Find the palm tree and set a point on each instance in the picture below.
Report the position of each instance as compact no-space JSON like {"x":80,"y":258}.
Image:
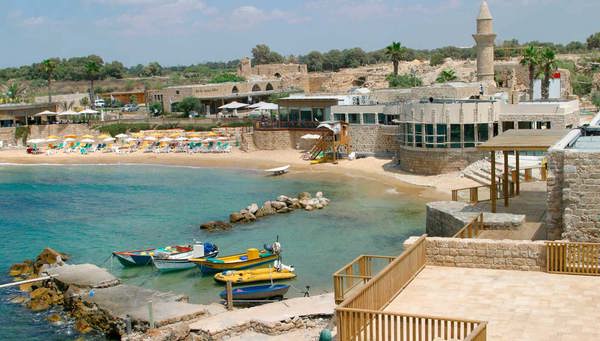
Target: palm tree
{"x":395,"y":51}
{"x":531,"y":59}
{"x":13,"y":92}
{"x":48,"y":66}
{"x":447,"y":75}
{"x":92,"y":70}
{"x":548,"y":66}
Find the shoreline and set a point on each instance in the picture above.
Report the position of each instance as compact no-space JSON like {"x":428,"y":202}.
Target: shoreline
{"x":437,"y":187}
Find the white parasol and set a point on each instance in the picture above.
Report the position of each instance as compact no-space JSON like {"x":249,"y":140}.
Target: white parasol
{"x":87,"y":141}
{"x":89,"y":112}
{"x":108,"y":139}
{"x":36,"y":141}
{"x":233,"y":105}
{"x":121,"y":136}
{"x":149,"y":138}
{"x":166,"y":139}
{"x":45,"y":113}
{"x":181,"y":138}
{"x":68,"y":113}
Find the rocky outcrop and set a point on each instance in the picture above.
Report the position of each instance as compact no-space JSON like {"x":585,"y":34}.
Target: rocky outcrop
{"x":216,"y":225}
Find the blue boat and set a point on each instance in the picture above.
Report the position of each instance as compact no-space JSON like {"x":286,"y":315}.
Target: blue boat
{"x":144,"y":257}
{"x":258,"y":292}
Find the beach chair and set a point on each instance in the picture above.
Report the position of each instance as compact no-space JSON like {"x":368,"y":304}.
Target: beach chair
{"x":226,"y":148}
{"x":147,"y":147}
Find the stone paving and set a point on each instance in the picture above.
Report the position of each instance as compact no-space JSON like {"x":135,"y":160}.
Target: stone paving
{"x":518,"y":305}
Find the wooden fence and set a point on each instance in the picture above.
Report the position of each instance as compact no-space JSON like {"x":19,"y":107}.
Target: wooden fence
{"x":359,"y":271}
{"x":471,"y":229}
{"x":573,"y":258}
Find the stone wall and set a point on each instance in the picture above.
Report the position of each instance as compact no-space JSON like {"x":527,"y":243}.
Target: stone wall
{"x":436,"y":161}
{"x":7,"y":136}
{"x":282,"y":139}
{"x":522,"y":255}
{"x":377,"y":139}
{"x":554,"y":195}
{"x":247,"y":142}
{"x":43,"y":131}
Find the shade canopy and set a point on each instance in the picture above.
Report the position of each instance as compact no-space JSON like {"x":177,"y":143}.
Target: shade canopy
{"x":149,"y":138}
{"x":68,"y":113}
{"x":36,"y":141}
{"x":524,"y":140}
{"x":233,"y":105}
{"x":121,"y":136}
{"x":264,"y":106}
{"x":89,"y":111}
{"x":45,"y":113}
{"x":88,"y":141}
{"x":108,"y":139}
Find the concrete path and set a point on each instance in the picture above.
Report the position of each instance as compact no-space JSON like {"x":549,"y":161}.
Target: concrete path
{"x":84,"y":276}
{"x":268,"y":313}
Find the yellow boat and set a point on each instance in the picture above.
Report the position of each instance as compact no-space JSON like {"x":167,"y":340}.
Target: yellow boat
{"x":252,"y":257}
{"x":278,"y":272}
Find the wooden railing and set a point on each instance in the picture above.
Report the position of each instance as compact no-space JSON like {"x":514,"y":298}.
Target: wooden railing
{"x":528,"y":174}
{"x":573,"y":258}
{"x":474,"y":192}
{"x":362,"y":324}
{"x":359,"y":271}
{"x":302,"y":125}
{"x":471,"y":229}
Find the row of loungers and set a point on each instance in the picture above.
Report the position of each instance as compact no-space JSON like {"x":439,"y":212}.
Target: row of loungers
{"x":85,"y":148}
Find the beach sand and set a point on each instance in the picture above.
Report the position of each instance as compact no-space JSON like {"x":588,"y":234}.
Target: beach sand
{"x":381,"y":170}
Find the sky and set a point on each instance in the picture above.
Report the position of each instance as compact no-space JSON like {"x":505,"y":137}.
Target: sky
{"x":182,"y":32}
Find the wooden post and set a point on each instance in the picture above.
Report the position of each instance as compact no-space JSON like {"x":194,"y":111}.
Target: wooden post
{"x":505,"y":178}
{"x":493,"y":184}
{"x":150,"y":315}
{"x":229,"y":295}
{"x":517,"y":180}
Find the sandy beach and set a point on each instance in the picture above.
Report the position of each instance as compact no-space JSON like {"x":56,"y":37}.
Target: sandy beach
{"x":381,"y":170}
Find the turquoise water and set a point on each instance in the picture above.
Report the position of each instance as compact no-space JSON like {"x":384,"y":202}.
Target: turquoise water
{"x":89,"y":211}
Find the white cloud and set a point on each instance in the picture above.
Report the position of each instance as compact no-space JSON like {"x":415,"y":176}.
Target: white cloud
{"x":34,"y":21}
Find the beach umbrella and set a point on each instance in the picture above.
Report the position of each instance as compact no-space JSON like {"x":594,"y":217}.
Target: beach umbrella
{"x":264,"y":106}
{"x":36,"y":141}
{"x":121,"y":136}
{"x":209,"y":139}
{"x":89,"y":112}
{"x":51,"y":140}
{"x":68,"y":113}
{"x":103,"y":136}
{"x":69,"y":139}
{"x":45,"y":113}
{"x":87,"y":141}
{"x":195,"y":139}
{"x":166,"y":139}
{"x":222,"y":138}
{"x":108,"y":139}
{"x":149,"y":138}
{"x":181,"y":138}
{"x":130,"y":139}
{"x":233,"y":105}
{"x":53,"y":137}
{"x":212,"y":133}
{"x":71,"y":136}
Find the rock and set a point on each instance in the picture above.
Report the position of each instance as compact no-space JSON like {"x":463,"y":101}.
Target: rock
{"x":21,"y":269}
{"x":215,"y":225}
{"x":283,"y":198}
{"x":42,"y":298}
{"x":236,"y":217}
{"x":278,"y":205}
{"x":248,"y":217}
{"x":295,"y":203}
{"x":303,"y":203}
{"x":319,"y":206}
{"x":83,"y":327}
{"x":265,"y":211}
{"x":253,"y":208}
{"x":319,"y":195}
{"x":284,"y":210}
{"x":55,"y":319}
{"x":18,"y":299}
{"x":304,"y":195}
{"x":244,"y":211}
{"x":38,"y":305}
{"x":309,"y":208}
{"x":51,"y":257}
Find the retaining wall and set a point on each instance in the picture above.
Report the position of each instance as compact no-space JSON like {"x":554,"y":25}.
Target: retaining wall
{"x":43,"y":131}
{"x":436,"y":161}
{"x":278,"y":139}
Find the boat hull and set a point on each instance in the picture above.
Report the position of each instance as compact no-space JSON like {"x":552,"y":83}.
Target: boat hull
{"x":254,"y":276}
{"x":257,"y":292}
{"x":207,"y":266}
{"x":176,"y":264}
{"x":128,"y":259}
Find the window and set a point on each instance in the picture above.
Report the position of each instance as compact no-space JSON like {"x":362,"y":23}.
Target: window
{"x":455,"y":136}
{"x":469,"y":135}
{"x":339,"y":117}
{"x":381,"y":118}
{"x":442,"y":136}
{"x":317,"y":114}
{"x":176,"y":92}
{"x":409,"y":134}
{"x":525,"y":125}
{"x":283,"y":114}
{"x":306,"y":115}
{"x":508,"y":125}
{"x":369,"y":119}
{"x":354,"y":118}
{"x":418,"y":135}
{"x":294,"y":115}
{"x":482,"y":132}
{"x":429,"y":138}
{"x":543,"y":125}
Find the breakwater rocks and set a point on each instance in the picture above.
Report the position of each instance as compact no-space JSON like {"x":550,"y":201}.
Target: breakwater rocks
{"x":283,"y":204}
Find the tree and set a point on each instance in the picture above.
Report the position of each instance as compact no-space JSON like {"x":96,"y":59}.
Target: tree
{"x":593,"y":41}
{"x":436,"y":59}
{"x":155,"y":108}
{"x":14,"y":92}
{"x":92,"y":71}
{"x":262,"y":54}
{"x":84,"y":102}
{"x":226,"y":77}
{"x":403,"y":81}
{"x":152,"y":69}
{"x":447,"y":75}
{"x":395,"y":51}
{"x":48,"y":67}
{"x":114,"y":69}
{"x":548,"y":66}
{"x":531,"y":59}
{"x":189,"y":104}
{"x":314,"y":61}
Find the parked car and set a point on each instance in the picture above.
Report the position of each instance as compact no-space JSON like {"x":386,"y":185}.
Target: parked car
{"x":99,"y":103}
{"x":130,"y":107}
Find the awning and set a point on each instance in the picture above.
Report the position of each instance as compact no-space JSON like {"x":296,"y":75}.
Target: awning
{"x":524,"y":140}
{"x":233,"y":105}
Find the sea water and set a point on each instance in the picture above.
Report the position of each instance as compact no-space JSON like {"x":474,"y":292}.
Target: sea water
{"x":88,"y":211}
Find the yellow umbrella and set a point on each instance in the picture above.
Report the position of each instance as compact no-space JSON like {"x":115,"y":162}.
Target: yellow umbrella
{"x":137,"y":134}
{"x":103,"y":136}
{"x":70,"y":136}
{"x":87,"y":136}
{"x":212,"y":133}
{"x":53,"y":137}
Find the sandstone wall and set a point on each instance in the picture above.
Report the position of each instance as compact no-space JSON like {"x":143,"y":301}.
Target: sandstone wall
{"x":282,"y":139}
{"x":377,"y":139}
{"x":7,"y":136}
{"x":436,"y":161}
{"x":43,"y":131}
{"x":554,"y":195}
{"x":247,"y":142}
{"x":522,"y":255}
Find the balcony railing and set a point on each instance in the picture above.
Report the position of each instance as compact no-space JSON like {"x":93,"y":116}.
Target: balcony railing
{"x":359,"y":271}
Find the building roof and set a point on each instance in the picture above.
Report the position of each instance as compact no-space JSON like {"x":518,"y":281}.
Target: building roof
{"x":484,"y":12}
{"x":524,"y":139}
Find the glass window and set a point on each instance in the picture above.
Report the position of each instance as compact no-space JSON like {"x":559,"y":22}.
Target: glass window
{"x":429,"y":136}
{"x":318,"y":114}
{"x":306,"y":115}
{"x":418,"y":135}
{"x":441,"y":136}
{"x":389,"y":119}
{"x":525,"y":125}
{"x":455,"y":136}
{"x":283,"y":114}
{"x":508,"y":125}
{"x":543,"y":125}
{"x":354,"y":118}
{"x":381,"y":118}
{"x":469,"y":135}
{"x":482,"y":132}
{"x":339,"y":117}
{"x":369,"y":119}
{"x":409,"y":134}
{"x":294,"y":115}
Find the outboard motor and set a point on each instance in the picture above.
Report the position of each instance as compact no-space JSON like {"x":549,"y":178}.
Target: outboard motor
{"x":198,"y":250}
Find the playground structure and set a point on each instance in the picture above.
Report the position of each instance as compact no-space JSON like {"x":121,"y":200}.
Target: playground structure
{"x":333,"y":143}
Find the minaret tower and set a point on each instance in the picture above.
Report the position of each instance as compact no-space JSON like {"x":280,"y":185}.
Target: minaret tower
{"x":485,"y":44}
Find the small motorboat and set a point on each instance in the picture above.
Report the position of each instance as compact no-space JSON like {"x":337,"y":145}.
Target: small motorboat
{"x":278,"y":272}
{"x":252,"y":257}
{"x":258,"y":292}
{"x":278,"y":170}
{"x":144,"y":257}
{"x":165,"y":262}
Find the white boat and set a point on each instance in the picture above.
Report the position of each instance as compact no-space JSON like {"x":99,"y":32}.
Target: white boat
{"x":278,"y":170}
{"x":181,"y":261}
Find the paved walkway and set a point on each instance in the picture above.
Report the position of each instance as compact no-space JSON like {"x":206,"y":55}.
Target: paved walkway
{"x":267,"y":313}
{"x":518,"y":305}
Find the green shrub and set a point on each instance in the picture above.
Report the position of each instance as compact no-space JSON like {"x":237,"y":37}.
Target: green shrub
{"x":226,"y":77}
{"x":22,"y":133}
{"x":403,"y":81}
{"x":436,"y":59}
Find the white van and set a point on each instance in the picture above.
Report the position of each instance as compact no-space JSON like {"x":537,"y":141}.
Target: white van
{"x":99,"y":103}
